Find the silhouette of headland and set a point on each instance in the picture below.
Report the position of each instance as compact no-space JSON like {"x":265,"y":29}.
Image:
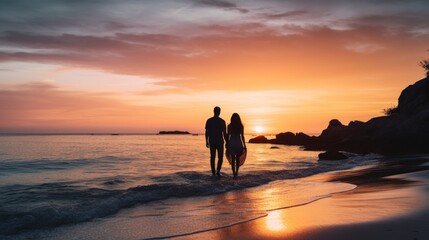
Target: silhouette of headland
{"x":173,"y":132}
{"x":404,"y":130}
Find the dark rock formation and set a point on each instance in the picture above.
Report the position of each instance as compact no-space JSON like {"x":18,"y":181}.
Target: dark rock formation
{"x":302,"y":139}
{"x":415,"y":98}
{"x":405,"y":131}
{"x":259,"y":139}
{"x":334,"y":132}
{"x":335,"y":123}
{"x":332,"y":155}
{"x":287,"y":138}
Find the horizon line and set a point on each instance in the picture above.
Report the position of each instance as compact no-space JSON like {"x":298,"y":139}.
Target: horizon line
{"x":119,"y":133}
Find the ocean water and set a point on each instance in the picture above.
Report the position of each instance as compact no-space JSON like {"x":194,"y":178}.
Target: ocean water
{"x":147,"y":186}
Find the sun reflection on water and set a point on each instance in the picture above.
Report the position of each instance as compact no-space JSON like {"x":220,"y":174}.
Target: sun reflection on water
{"x":274,"y":221}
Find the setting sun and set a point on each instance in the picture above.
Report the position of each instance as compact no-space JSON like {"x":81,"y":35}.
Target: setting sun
{"x":243,"y":58}
{"x":258,"y":129}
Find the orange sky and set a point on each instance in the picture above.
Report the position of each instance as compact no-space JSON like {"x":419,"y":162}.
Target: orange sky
{"x":147,"y":66}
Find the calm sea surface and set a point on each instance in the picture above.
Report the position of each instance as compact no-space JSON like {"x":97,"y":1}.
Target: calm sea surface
{"x":51,"y":184}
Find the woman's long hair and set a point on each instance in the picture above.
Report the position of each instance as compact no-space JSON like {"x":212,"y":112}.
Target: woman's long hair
{"x":236,"y":126}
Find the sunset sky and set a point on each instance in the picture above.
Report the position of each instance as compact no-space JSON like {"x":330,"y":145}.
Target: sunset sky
{"x":146,"y":66}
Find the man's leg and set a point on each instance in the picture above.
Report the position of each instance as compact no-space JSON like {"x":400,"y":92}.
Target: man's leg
{"x":212,"y":158}
{"x":220,"y":156}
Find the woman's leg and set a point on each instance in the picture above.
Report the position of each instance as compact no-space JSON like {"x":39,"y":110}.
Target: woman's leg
{"x":232,"y":165}
{"x":236,"y":160}
{"x":237,"y":165}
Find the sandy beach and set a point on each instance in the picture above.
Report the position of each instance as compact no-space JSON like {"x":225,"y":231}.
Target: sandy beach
{"x":391,"y":201}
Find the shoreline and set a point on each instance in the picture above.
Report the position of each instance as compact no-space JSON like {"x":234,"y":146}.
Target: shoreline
{"x":391,"y":201}
{"x":343,"y":204}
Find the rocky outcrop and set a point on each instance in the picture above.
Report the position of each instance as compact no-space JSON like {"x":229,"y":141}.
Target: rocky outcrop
{"x":404,"y":131}
{"x":259,"y":139}
{"x":415,"y":98}
{"x":287,"y":138}
{"x":332,"y":155}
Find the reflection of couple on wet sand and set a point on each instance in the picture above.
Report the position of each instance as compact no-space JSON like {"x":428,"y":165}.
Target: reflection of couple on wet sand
{"x":216,"y":133}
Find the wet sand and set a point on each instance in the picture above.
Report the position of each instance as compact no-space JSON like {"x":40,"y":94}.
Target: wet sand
{"x":391,"y":201}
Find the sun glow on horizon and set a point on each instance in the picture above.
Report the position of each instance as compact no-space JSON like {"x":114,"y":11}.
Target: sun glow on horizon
{"x":276,"y":69}
{"x":258,"y":129}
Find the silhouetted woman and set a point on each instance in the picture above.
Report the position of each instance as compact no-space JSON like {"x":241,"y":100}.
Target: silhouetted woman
{"x":236,"y":143}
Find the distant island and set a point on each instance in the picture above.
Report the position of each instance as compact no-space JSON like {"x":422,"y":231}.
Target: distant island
{"x":173,"y":132}
{"x":404,"y":130}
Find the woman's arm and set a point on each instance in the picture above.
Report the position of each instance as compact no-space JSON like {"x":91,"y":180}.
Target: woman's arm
{"x":242,"y":138}
{"x":227,"y":137}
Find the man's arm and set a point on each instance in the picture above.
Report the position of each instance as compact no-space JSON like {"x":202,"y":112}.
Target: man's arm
{"x":224,"y":134}
{"x":207,"y":135}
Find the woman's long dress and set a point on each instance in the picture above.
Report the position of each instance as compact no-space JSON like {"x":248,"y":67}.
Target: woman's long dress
{"x":235,"y":145}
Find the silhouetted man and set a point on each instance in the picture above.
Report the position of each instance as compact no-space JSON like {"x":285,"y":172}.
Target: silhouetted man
{"x":215,"y":135}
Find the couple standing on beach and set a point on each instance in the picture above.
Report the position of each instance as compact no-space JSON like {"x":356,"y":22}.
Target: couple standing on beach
{"x":216,"y":133}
